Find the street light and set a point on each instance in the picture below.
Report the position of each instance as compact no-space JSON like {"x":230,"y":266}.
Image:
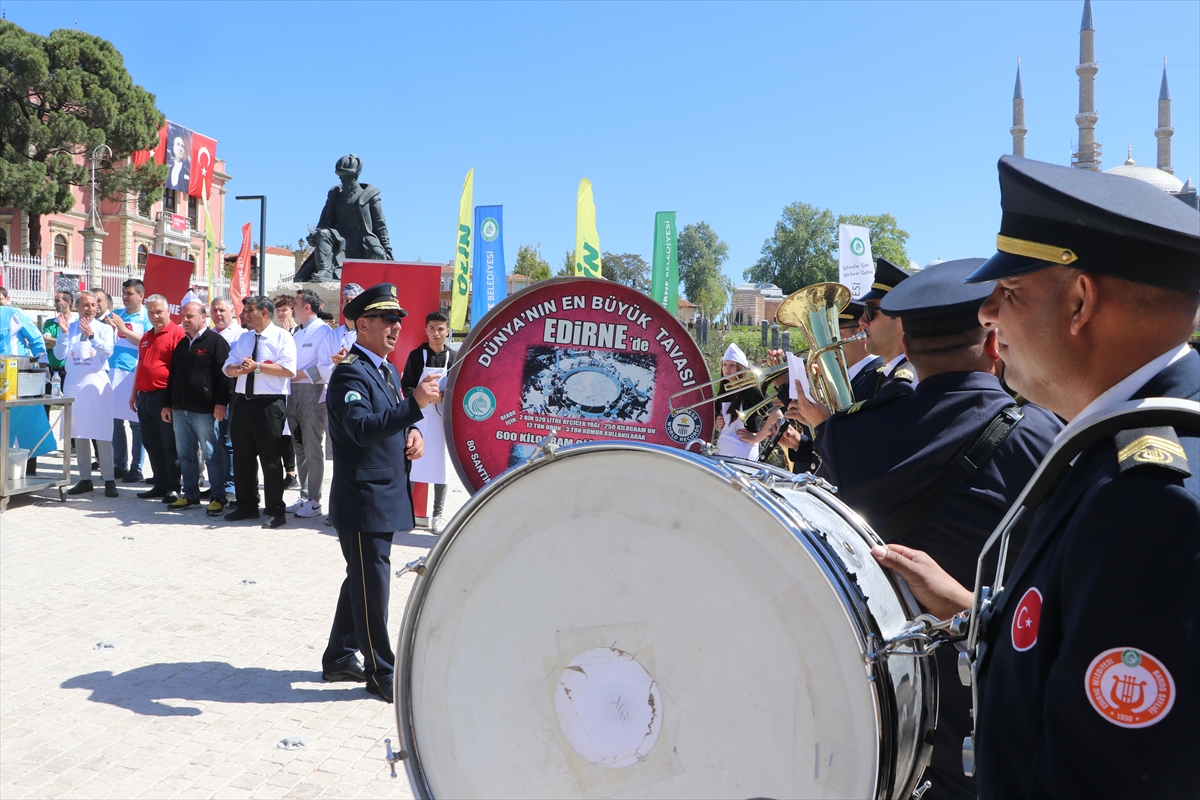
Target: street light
{"x":262,"y":239}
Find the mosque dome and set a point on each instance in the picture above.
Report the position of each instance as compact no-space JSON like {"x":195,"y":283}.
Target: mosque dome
{"x":1155,"y":177}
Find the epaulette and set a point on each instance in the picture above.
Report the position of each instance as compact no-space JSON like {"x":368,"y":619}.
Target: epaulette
{"x":350,"y":359}
{"x":904,"y":374}
{"x":1151,"y":447}
{"x":871,"y":402}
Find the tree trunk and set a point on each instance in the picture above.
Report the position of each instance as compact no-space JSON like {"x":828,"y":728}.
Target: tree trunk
{"x":35,"y":234}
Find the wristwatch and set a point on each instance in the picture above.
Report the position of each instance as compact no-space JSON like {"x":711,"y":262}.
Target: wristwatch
{"x":258,"y":369}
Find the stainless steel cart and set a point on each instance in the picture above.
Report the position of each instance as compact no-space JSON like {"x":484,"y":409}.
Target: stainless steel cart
{"x":33,"y":484}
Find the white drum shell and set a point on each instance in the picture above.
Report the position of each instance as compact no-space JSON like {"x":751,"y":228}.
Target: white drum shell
{"x":750,"y":602}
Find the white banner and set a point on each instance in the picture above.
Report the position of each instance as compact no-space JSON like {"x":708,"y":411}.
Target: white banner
{"x":856,"y":267}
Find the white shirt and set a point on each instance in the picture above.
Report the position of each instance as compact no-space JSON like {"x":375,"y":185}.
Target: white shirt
{"x":314,"y":347}
{"x":857,"y":367}
{"x":340,"y":338}
{"x":1122,"y":391}
{"x":275,"y":346}
{"x":231,"y":334}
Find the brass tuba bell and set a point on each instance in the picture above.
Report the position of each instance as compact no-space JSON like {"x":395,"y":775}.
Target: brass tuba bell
{"x":814,"y":309}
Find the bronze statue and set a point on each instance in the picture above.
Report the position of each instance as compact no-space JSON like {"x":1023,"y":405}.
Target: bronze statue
{"x":351,"y":226}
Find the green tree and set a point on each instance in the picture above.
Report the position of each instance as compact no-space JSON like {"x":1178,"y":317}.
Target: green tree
{"x":714,"y":296}
{"x":801,"y":251}
{"x":567,"y":269}
{"x":701,"y":254}
{"x":629,"y":269}
{"x":531,"y":263}
{"x":887,"y":237}
{"x":62,"y":96}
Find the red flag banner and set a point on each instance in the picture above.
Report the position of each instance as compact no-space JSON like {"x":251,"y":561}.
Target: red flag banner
{"x":239,"y":283}
{"x":170,"y":277}
{"x":156,"y":153}
{"x":204,"y":155}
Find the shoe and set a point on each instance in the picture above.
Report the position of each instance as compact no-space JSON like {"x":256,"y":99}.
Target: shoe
{"x":215,"y":508}
{"x":437,"y":525}
{"x":119,"y":473}
{"x":231,"y":504}
{"x":310,"y":509}
{"x":328,"y":523}
{"x":207,"y":493}
{"x":95,"y":466}
{"x":291,"y":482}
{"x":151,"y":494}
{"x":241,"y":514}
{"x":170,"y":497}
{"x":383,"y":691}
{"x":275,"y":521}
{"x":296,"y":506}
{"x":83,"y":487}
{"x":110,"y":489}
{"x":132,"y":477}
{"x":181,"y":503}
{"x":348,"y":672}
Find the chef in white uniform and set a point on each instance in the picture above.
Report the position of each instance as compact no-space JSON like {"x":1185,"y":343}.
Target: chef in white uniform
{"x":432,"y":359}
{"x":736,"y":438}
{"x":85,"y":350}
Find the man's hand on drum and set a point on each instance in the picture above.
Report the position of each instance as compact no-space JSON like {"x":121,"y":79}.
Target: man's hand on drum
{"x":936,"y":592}
{"x":414,"y":445}
{"x":427,"y":392}
{"x":807,"y":411}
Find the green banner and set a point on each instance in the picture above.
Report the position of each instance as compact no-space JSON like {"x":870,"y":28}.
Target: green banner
{"x":665,"y":284}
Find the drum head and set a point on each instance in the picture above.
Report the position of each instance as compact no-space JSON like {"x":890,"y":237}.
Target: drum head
{"x":627,"y":620}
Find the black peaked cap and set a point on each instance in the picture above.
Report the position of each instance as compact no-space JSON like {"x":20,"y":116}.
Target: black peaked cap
{"x":887,"y":278}
{"x":380,"y":297}
{"x":936,"y":301}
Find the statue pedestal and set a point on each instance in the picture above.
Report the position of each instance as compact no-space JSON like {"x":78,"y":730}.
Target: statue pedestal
{"x":330,"y":293}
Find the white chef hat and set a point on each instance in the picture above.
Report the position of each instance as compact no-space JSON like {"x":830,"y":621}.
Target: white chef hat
{"x":734,"y":353}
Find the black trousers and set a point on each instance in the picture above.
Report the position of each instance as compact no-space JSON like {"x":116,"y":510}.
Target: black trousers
{"x":256,"y":432}
{"x":360,"y":622}
{"x":158,"y":438}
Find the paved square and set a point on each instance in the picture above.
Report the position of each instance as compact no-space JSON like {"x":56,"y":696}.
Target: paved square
{"x":217,"y":631}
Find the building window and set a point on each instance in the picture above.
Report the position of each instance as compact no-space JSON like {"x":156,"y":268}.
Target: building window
{"x":60,"y":249}
{"x":3,"y":240}
{"x":193,"y":212}
{"x":169,"y":201}
{"x":142,"y":252}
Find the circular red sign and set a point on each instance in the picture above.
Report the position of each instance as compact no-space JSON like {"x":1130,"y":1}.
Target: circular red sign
{"x":589,"y":358}
{"x":1026,"y":619}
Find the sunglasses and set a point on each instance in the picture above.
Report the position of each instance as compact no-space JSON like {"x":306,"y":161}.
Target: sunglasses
{"x":871,"y":312}
{"x":388,"y":319}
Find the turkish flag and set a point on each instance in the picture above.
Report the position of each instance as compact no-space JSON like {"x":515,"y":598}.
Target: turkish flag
{"x":204,"y":155}
{"x":157,"y":153}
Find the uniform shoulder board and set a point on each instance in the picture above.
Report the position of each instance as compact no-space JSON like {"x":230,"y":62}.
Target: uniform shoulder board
{"x":350,"y":359}
{"x":1151,"y":447}
{"x":882,"y":369}
{"x":904,"y":374}
{"x":872,"y":402}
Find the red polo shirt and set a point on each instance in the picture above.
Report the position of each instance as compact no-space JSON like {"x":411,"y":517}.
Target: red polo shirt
{"x":154,"y":357}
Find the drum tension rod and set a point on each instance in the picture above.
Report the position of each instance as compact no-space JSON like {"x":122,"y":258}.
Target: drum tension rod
{"x":547,"y":447}
{"x":925,"y":633}
{"x":417,"y":567}
{"x":393,"y":756}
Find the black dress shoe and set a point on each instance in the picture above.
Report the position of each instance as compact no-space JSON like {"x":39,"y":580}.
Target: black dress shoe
{"x":110,"y":489}
{"x":83,"y":487}
{"x":170,"y":497}
{"x":207,"y":493}
{"x":120,"y":473}
{"x":348,"y":672}
{"x":383,"y":691}
{"x":151,"y":494}
{"x":241,"y":514}
{"x":275,"y":521}
{"x":132,"y":477}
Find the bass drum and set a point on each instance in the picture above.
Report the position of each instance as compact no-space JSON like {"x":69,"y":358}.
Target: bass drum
{"x":634,"y":620}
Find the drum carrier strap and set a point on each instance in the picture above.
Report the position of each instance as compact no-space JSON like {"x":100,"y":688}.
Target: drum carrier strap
{"x":969,"y":460}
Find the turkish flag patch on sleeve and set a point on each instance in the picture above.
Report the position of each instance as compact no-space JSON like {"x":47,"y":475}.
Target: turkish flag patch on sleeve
{"x":1026,"y":619}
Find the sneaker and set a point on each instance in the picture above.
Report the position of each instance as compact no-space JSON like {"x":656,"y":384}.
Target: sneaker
{"x":310,"y":509}
{"x":291,"y":482}
{"x":181,"y":503}
{"x":296,"y":506}
{"x":437,"y":525}
{"x":215,"y":508}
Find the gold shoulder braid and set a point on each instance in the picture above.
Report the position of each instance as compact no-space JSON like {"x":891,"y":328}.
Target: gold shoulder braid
{"x":1153,"y":447}
{"x":905,"y":374}
{"x":350,"y":359}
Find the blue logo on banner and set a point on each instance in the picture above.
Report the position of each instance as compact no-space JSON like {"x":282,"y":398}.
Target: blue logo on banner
{"x":488,"y":286}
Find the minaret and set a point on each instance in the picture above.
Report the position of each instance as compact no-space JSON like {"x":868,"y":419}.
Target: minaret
{"x":1088,"y":155}
{"x":1164,"y":130}
{"x":1018,"y":129}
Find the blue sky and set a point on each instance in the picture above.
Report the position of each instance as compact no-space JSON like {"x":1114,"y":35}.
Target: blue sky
{"x":722,"y":112}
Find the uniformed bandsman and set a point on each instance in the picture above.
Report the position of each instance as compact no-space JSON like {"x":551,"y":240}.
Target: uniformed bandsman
{"x":1089,"y":668}
{"x":898,"y":460}
{"x":866,"y":370}
{"x":371,"y":427}
{"x":884,"y":333}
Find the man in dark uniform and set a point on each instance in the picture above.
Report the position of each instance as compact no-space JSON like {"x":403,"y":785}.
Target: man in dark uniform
{"x":371,"y":428}
{"x":895,"y":460}
{"x":884,"y":333}
{"x":1089,"y":666}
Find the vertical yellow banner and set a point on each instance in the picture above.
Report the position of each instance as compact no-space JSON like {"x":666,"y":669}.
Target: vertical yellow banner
{"x":461,"y":287}
{"x":587,"y":239}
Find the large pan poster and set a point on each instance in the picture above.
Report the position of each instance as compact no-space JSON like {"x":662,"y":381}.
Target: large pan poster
{"x":587,"y":357}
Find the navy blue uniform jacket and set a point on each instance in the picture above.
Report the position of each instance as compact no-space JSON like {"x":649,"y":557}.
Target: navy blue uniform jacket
{"x":1115,"y":556}
{"x":367,"y":431}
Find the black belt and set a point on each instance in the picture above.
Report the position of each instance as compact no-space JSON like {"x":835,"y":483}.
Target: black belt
{"x":270,"y":397}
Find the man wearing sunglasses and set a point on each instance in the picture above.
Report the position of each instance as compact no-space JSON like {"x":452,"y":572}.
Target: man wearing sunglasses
{"x":885,"y":335}
{"x":374,"y":440}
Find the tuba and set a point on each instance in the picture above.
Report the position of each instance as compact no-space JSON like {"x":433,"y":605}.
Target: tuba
{"x":814,"y":309}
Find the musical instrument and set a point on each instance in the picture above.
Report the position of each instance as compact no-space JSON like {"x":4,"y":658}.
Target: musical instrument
{"x":814,"y":309}
{"x":737,"y":640}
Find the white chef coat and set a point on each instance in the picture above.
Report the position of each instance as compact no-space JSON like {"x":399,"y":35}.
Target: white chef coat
{"x":86,"y":361}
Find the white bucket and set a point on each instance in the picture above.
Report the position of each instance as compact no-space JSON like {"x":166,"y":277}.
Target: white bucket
{"x":14,"y":475}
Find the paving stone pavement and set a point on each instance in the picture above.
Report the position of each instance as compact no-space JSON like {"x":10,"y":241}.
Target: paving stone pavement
{"x":218,"y":631}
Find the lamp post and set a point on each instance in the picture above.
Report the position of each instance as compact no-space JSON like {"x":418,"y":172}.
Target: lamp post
{"x":262,"y":238}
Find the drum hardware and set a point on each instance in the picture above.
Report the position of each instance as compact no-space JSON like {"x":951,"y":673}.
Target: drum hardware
{"x":546,"y":447}
{"x":920,"y":791}
{"x":416,"y":567}
{"x":392,"y":757}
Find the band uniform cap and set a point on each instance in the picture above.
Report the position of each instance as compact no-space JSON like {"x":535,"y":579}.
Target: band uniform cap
{"x":851,"y":313}
{"x":937,"y":301}
{"x":734,"y":353}
{"x":1093,"y":221}
{"x":380,"y":297}
{"x":887,"y":277}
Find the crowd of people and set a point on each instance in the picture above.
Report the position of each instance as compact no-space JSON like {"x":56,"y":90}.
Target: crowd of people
{"x":176,"y":387}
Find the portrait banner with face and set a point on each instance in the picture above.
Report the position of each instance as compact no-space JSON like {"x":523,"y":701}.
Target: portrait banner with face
{"x":170,"y":277}
{"x":203,"y":156}
{"x":178,"y":157}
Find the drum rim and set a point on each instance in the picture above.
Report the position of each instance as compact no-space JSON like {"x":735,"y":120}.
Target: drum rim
{"x":857,"y":611}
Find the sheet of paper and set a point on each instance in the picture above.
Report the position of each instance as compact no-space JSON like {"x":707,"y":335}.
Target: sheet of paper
{"x":797,"y":371}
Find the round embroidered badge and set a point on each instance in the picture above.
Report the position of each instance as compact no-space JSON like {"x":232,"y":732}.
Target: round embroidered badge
{"x":1129,"y":687}
{"x":1026,"y":619}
